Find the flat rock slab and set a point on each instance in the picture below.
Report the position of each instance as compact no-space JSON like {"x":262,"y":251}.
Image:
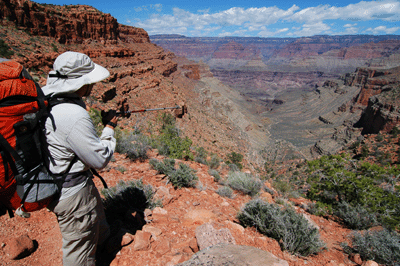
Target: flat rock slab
{"x":233,"y":255}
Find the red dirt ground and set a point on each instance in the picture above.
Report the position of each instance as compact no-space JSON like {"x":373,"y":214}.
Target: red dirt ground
{"x":178,"y":229}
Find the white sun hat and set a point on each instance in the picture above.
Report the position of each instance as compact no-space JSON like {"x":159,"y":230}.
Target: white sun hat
{"x":71,"y":71}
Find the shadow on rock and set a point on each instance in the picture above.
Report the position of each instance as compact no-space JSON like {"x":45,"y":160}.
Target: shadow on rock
{"x":124,"y":209}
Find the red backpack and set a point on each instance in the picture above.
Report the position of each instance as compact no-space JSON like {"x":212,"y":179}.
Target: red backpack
{"x":25,"y":184}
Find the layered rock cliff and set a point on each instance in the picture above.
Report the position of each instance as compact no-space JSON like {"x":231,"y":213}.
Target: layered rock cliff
{"x":334,"y":54}
{"x":69,"y":24}
{"x":371,"y":81}
{"x":382,"y":113}
{"x":380,"y":94}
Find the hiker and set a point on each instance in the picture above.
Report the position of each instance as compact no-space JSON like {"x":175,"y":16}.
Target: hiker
{"x":74,"y":147}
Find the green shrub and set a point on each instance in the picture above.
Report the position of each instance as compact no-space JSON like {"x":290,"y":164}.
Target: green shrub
{"x":269,"y":190}
{"x":135,"y":146}
{"x":320,"y":209}
{"x":334,"y":179}
{"x":165,"y":167}
{"x":283,"y":186}
{"x":381,"y":246}
{"x":5,"y":49}
{"x":55,"y":48}
{"x":243,"y":182}
{"x":95,"y":115}
{"x":291,"y":229}
{"x":121,"y":169}
{"x":200,"y":160}
{"x":235,"y":158}
{"x":233,"y":167}
{"x":379,"y":137}
{"x":184,"y":176}
{"x":215,"y":174}
{"x":364,"y":151}
{"x":169,"y":142}
{"x":355,"y":217}
{"x":354,"y":146}
{"x":225,"y":191}
{"x":201,"y":156}
{"x":395,"y":132}
{"x":214,"y":162}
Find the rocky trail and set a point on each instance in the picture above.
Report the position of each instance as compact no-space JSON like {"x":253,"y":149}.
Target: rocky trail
{"x":172,"y":234}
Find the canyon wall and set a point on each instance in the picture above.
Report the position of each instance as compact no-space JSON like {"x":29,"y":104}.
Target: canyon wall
{"x":338,"y":54}
{"x":68,"y":24}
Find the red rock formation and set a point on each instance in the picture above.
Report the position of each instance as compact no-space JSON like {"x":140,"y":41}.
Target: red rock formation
{"x":379,"y":116}
{"x":369,"y":50}
{"x":233,"y":50}
{"x":80,"y":22}
{"x":371,"y":82}
{"x":133,"y":34}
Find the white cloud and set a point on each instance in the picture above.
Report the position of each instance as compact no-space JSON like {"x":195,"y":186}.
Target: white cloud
{"x":240,"y":32}
{"x":252,"y":17}
{"x":349,"y":25}
{"x":386,"y":10}
{"x":138,"y":9}
{"x":383,"y":29}
{"x":313,"y":29}
{"x":267,"y":33}
{"x":204,"y":11}
{"x":157,"y":7}
{"x":312,"y":20}
{"x":350,"y":29}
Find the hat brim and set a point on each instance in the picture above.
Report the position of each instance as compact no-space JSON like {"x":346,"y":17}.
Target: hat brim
{"x":57,"y":86}
{"x":99,"y":73}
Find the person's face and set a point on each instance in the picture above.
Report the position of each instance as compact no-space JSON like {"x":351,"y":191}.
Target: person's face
{"x":85,"y":90}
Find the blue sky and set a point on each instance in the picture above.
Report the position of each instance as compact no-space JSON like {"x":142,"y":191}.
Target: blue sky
{"x":252,"y":18}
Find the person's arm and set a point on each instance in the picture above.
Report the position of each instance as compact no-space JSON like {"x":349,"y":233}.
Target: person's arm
{"x":93,"y":151}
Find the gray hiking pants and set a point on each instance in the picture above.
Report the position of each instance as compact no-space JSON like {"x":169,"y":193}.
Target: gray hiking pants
{"x":82,"y":224}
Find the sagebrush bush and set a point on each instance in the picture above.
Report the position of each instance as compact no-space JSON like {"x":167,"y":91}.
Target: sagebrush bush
{"x":201,"y":156}
{"x":244,"y":182}
{"x":269,"y":190}
{"x":134,"y":146}
{"x":355,"y":217}
{"x":225,"y":191}
{"x":200,"y":160}
{"x":214,"y":162}
{"x":215,"y":174}
{"x":184,"y":176}
{"x":165,"y":167}
{"x":233,"y":167}
{"x":382,"y":246}
{"x":291,"y":229}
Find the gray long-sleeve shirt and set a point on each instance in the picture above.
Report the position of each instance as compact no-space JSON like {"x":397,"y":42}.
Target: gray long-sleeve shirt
{"x":75,"y":134}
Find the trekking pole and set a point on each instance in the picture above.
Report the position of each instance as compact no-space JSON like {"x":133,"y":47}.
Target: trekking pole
{"x":146,"y":110}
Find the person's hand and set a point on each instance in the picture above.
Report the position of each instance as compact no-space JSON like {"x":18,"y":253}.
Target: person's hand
{"x":109,"y":118}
